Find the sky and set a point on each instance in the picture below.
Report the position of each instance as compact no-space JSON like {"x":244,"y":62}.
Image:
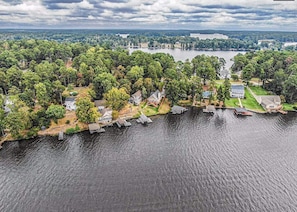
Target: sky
{"x":150,"y":14}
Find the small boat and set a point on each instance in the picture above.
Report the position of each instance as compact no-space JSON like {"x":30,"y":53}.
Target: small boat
{"x":61,"y":136}
{"x":242,"y":112}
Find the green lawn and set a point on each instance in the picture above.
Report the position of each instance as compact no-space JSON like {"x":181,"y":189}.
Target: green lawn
{"x":250,"y":102}
{"x":289,"y":107}
{"x":259,"y":90}
{"x":232,"y":102}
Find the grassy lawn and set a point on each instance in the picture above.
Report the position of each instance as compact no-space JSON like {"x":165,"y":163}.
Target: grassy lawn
{"x":150,"y":111}
{"x":259,"y":90}
{"x":164,"y":107}
{"x":232,"y":102}
{"x":250,"y":102}
{"x":289,"y":107}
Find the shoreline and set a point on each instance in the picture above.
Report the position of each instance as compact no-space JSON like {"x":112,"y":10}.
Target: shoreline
{"x":83,"y":129}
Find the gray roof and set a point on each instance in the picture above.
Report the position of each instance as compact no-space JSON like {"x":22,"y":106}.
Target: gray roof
{"x":240,"y":110}
{"x":70,"y":99}
{"x":100,"y":102}
{"x":237,"y":88}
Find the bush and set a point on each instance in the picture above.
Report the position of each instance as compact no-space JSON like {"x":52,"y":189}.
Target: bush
{"x":32,"y":132}
{"x":72,"y":130}
{"x":235,"y":77}
{"x":67,"y":122}
{"x":115,"y":114}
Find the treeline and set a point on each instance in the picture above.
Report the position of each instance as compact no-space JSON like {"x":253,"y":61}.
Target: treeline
{"x":37,"y":74}
{"x":276,"y":69}
{"x":238,"y":40}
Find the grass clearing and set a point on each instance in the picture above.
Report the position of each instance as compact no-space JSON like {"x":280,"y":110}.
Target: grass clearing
{"x":289,"y":107}
{"x":250,"y":102}
{"x":232,"y":102}
{"x":259,"y":90}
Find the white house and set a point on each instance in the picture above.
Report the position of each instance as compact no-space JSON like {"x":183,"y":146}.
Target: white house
{"x":106,"y":116}
{"x":271,"y":102}
{"x":136,"y":98}
{"x":237,"y":91}
{"x":70,"y":103}
{"x":156,"y":97}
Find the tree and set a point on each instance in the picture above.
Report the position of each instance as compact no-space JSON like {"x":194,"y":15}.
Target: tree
{"x":226,"y":88}
{"x":103,"y":83}
{"x":55,"y":112}
{"x":116,"y":98}
{"x":173,"y":91}
{"x":42,"y":94}
{"x":247,"y":73}
{"x":2,"y":115}
{"x":220,"y":94}
{"x":290,"y":89}
{"x":17,"y":121}
{"x":135,"y":73}
{"x":86,"y":111}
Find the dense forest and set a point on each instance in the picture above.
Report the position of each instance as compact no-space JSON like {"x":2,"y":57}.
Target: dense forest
{"x":37,"y":75}
{"x":277,"y":70}
{"x":238,"y":40}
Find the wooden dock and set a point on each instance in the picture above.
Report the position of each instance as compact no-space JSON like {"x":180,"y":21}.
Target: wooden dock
{"x":61,"y":136}
{"x":123,"y":123}
{"x":209,"y":109}
{"x":143,"y":119}
{"x":178,"y":109}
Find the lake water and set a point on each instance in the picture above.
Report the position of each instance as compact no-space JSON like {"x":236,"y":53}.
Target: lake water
{"x":182,"y":55}
{"x":189,"y":162}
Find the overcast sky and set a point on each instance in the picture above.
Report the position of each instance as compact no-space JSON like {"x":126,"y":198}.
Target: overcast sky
{"x":150,"y":14}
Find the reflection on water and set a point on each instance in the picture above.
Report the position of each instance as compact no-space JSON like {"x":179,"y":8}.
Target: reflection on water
{"x":189,"y":162}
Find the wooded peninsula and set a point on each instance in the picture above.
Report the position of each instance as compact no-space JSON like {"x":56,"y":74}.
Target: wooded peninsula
{"x":38,"y":77}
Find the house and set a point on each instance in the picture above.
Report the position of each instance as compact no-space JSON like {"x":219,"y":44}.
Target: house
{"x":100,"y":104}
{"x":237,"y":91}
{"x":70,"y":103}
{"x":95,"y":128}
{"x":106,"y":116}
{"x":156,"y":98}
{"x":136,"y":98}
{"x":271,"y":103}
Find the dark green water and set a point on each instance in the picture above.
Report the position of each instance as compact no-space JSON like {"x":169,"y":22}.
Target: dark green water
{"x":191,"y":162}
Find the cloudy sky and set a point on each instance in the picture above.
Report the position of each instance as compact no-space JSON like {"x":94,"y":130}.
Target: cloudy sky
{"x":150,"y":14}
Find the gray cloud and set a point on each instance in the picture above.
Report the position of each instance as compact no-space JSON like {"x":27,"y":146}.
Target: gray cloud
{"x":220,"y":14}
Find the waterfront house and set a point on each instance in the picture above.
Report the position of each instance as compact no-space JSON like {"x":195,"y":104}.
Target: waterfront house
{"x":237,"y":91}
{"x":95,"y":128}
{"x":100,"y":104}
{"x":106,"y":116}
{"x":136,"y":98}
{"x":156,"y":98}
{"x":70,"y":103}
{"x":271,"y":103}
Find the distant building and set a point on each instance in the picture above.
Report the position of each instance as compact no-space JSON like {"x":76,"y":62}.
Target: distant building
{"x":156,"y":98}
{"x":208,"y":36}
{"x":136,"y":98}
{"x":237,"y":91}
{"x":70,"y":103}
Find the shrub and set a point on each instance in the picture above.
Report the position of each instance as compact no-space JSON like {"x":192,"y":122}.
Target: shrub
{"x":115,"y":114}
{"x":67,"y":122}
{"x":72,"y":130}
